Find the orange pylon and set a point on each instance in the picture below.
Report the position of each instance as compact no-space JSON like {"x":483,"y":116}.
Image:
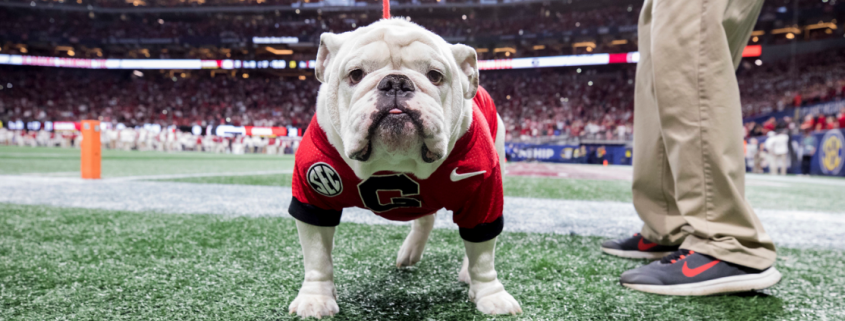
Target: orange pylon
{"x":90,"y":149}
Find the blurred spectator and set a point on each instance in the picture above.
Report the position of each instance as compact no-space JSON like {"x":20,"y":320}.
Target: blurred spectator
{"x":808,"y":149}
{"x":777,"y":145}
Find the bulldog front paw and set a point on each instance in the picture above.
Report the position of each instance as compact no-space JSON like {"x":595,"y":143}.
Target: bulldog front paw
{"x":315,"y":299}
{"x":412,"y":249}
{"x":491,"y":298}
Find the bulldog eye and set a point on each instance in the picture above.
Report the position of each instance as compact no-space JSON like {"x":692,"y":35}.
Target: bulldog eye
{"x":356,"y":75}
{"x":435,"y":77}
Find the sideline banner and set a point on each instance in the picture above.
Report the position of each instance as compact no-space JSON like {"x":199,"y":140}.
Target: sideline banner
{"x":830,"y":153}
{"x":829,"y":159}
{"x":615,"y":154}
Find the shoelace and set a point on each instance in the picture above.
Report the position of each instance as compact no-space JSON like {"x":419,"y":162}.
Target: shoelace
{"x":675,"y":256}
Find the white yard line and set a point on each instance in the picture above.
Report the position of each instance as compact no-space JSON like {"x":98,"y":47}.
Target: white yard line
{"x":175,"y":176}
{"x":800,"y":229}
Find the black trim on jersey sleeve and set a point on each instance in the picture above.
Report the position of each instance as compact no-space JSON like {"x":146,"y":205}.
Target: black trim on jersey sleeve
{"x":313,"y":215}
{"x":483,"y":232}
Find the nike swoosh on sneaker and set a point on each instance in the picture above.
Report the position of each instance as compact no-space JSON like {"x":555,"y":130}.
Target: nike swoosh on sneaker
{"x":696,"y":271}
{"x":645,"y":247}
{"x":454,"y":176}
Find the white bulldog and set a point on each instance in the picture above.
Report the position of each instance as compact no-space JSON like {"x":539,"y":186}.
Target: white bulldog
{"x":397,"y":98}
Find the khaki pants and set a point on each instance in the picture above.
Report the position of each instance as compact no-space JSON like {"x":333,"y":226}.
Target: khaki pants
{"x":689,"y":175}
{"x":779,"y":164}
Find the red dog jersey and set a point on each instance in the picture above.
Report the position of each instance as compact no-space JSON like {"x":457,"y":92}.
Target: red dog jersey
{"x":469,"y":182}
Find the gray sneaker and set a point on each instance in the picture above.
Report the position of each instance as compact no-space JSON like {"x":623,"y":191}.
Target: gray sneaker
{"x":689,"y":273}
{"x":637,"y":247}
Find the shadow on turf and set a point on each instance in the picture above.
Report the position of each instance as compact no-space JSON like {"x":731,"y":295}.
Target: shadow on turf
{"x":421,"y":292}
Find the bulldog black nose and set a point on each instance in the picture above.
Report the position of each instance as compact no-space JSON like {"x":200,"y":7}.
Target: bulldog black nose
{"x":396,"y":85}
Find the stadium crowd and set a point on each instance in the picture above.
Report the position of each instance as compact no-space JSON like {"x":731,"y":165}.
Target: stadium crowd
{"x":123,"y":97}
{"x":563,"y":103}
{"x":609,"y":29}
{"x":207,"y":3}
{"x":519,"y":20}
{"x":808,"y":79}
{"x":593,"y":103}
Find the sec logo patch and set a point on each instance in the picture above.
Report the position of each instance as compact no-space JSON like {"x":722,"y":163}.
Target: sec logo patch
{"x":324,"y":179}
{"x":831,"y":157}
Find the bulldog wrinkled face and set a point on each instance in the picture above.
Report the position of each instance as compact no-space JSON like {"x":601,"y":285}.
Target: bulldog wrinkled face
{"x":395,"y":113}
{"x":396,"y":92}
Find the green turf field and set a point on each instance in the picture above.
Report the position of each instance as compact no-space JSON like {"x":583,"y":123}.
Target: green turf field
{"x":801,"y":195}
{"x":65,"y":162}
{"x":62,"y":263}
{"x":82,"y":264}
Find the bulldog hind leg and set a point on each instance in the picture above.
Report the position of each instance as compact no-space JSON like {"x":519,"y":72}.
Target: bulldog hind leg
{"x":412,"y":248}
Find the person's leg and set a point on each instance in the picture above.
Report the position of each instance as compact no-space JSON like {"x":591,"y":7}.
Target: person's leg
{"x":653,"y":187}
{"x":805,"y":164}
{"x":697,"y":45}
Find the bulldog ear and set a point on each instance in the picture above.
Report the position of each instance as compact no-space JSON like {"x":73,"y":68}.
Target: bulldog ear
{"x":468,"y":64}
{"x":329,"y":45}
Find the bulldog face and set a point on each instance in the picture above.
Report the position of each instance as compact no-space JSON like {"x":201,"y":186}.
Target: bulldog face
{"x":394,"y":96}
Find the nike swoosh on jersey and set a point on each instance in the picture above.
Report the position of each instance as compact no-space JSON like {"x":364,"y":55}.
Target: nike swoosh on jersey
{"x":454,"y":176}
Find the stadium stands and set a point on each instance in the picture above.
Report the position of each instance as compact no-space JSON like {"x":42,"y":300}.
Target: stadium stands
{"x":507,"y":30}
{"x":593,"y":103}
{"x":590,"y":103}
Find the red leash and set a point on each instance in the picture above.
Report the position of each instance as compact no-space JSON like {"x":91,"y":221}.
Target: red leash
{"x":385,"y":7}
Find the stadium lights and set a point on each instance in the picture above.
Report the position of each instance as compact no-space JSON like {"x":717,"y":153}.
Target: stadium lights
{"x":278,"y":52}
{"x":229,"y":64}
{"x":793,"y":30}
